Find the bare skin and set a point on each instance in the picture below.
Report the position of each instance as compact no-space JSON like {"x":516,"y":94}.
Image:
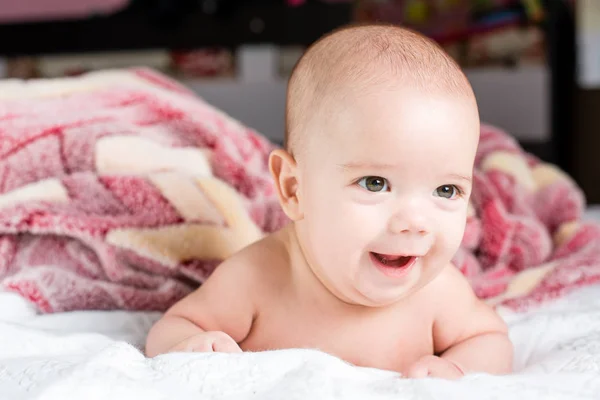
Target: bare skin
{"x":377,"y":192}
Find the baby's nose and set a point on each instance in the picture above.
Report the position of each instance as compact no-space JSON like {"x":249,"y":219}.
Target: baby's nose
{"x":409,"y":223}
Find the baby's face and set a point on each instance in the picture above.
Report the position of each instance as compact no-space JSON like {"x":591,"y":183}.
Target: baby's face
{"x":384,"y":191}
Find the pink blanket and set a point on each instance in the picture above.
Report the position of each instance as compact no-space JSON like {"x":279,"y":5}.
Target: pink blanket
{"x":122,"y":190}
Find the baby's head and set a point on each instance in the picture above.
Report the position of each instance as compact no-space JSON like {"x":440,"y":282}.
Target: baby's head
{"x":382,"y":129}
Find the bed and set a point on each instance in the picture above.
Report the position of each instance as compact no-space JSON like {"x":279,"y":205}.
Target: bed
{"x":94,"y":354}
{"x":120,"y":192}
{"x":87,"y":264}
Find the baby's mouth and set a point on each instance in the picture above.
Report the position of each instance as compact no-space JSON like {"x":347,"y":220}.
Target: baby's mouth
{"x":392,"y":261}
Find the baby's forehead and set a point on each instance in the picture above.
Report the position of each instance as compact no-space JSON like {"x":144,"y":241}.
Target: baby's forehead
{"x":393,"y":104}
{"x":393,"y":124}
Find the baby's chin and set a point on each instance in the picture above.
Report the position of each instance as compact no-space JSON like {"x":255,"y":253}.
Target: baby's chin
{"x":369,"y":294}
{"x":372,"y":291}
{"x":388,"y":298}
{"x":373,"y":288}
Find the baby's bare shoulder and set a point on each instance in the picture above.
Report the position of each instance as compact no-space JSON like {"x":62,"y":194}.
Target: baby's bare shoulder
{"x":256,"y":264}
{"x":450,"y":293}
{"x":458,"y":312}
{"x":229,"y":299}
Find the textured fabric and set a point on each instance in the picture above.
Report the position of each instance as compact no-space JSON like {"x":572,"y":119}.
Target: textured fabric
{"x":123,"y":190}
{"x":525,"y":241}
{"x":96,"y":355}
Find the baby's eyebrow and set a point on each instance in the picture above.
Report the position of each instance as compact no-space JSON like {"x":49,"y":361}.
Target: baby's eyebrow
{"x":461,"y":177}
{"x":366,"y":165}
{"x":375,"y":166}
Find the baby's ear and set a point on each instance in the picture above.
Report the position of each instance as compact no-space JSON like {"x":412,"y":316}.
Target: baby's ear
{"x":284,"y":171}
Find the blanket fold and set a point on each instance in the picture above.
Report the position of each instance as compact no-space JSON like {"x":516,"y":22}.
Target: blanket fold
{"x":123,"y":190}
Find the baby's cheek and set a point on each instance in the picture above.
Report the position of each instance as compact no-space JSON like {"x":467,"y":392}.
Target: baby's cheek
{"x":327,"y":225}
{"x":347,"y":227}
{"x":450,"y":228}
{"x":452,"y":236}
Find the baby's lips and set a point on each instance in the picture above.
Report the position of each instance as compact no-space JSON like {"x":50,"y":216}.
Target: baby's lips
{"x":399,"y":254}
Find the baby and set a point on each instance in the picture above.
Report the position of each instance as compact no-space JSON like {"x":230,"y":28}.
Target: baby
{"x":382,"y":131}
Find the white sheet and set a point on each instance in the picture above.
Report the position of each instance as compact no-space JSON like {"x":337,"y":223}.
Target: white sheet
{"x":94,"y":355}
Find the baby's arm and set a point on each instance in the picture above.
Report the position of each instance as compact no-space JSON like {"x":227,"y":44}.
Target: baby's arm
{"x":218,"y":315}
{"x":468,"y":335}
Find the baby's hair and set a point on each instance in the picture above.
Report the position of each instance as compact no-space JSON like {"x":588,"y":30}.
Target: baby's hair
{"x":363,"y":57}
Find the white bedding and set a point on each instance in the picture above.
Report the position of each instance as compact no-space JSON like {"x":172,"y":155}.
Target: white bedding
{"x":95,"y":355}
{"x":91,"y":355}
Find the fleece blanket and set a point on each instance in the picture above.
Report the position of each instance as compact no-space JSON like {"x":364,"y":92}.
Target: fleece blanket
{"x":123,"y":190}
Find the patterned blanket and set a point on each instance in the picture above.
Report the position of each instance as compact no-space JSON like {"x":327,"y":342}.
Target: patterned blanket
{"x":123,"y":190}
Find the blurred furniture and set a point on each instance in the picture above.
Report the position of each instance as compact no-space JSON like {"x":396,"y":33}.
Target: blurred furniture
{"x":581,"y":125}
{"x":177,"y":24}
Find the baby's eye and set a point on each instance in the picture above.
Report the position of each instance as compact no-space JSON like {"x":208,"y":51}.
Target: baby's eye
{"x":447,"y":191}
{"x":374,"y":183}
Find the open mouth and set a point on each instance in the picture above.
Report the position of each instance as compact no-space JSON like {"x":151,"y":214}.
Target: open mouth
{"x":392,"y":261}
{"x":393,"y":265}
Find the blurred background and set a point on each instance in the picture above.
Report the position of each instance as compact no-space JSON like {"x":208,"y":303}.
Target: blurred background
{"x":534,"y":64}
